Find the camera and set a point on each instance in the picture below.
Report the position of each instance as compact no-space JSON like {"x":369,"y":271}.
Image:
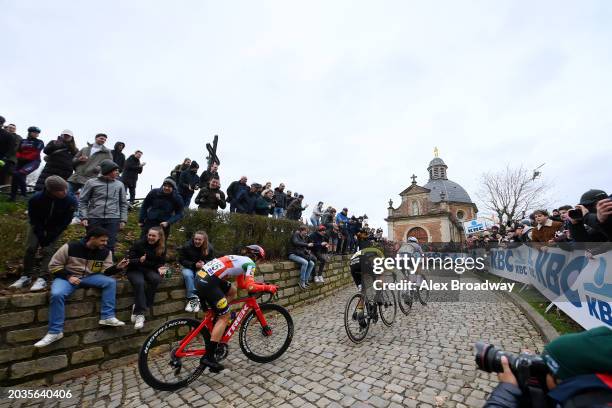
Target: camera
{"x":575,"y":214}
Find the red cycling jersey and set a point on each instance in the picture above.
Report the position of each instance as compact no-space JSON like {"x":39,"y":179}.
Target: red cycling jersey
{"x":241,"y":267}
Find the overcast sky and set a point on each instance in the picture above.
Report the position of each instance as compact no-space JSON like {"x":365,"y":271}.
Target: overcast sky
{"x":341,"y":101}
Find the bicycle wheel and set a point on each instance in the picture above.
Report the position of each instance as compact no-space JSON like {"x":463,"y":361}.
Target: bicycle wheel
{"x":387,"y":307}
{"x":356,"y":322}
{"x":265,"y":344}
{"x":423,"y":294}
{"x":157,"y":364}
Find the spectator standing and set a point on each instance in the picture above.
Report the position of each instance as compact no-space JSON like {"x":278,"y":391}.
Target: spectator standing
{"x":209,"y":174}
{"x":546,"y":228}
{"x":133,"y":167}
{"x":353,"y":228}
{"x":161,"y":207}
{"x":28,"y":160}
{"x":59,"y":155}
{"x":189,"y":182}
{"x":246,"y":200}
{"x":280,"y":201}
{"x":211,"y":197}
{"x":102,"y":202}
{"x":595,"y":222}
{"x":49,"y":212}
{"x":327,"y":218}
{"x":268,"y":186}
{"x":299,"y":252}
{"x":9,"y":143}
{"x":342,"y":221}
{"x":146,"y":267}
{"x":317,"y":212}
{"x":319,"y":240}
{"x":192,"y":256}
{"x":235,"y":189}
{"x":265,"y":203}
{"x":82,"y":264}
{"x":288,"y":201}
{"x":175,"y":174}
{"x":87,"y":162}
{"x":118,"y":156}
{"x":294,"y":211}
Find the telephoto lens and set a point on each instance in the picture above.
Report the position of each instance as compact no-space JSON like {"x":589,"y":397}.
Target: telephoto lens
{"x":488,"y":357}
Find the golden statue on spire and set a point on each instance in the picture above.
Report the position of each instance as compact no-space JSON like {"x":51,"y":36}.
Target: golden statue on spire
{"x":436,"y":151}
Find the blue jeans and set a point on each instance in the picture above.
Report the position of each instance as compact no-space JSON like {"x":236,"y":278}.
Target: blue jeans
{"x":306,"y":267}
{"x":189,"y":278}
{"x":315,"y":221}
{"x":61,"y":290}
{"x":109,"y":224}
{"x":278,"y":212}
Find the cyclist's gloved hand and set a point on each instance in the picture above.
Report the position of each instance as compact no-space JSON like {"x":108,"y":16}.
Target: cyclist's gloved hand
{"x":271,"y":288}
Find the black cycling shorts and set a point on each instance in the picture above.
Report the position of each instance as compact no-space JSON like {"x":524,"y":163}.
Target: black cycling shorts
{"x":212,"y":290}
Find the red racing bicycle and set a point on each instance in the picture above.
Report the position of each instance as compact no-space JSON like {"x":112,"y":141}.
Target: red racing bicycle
{"x":169,"y":359}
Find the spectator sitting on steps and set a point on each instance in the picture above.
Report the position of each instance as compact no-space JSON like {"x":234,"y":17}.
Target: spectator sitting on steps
{"x":319,"y":241}
{"x":299,"y":252}
{"x":82,"y":264}
{"x":192,"y":256}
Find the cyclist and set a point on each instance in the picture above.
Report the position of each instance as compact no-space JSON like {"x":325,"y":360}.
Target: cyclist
{"x":214,"y":288}
{"x":362,"y":265}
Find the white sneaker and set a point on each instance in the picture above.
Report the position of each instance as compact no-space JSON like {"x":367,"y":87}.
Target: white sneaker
{"x":111,"y":321}
{"x":48,"y":339}
{"x":196,"y":307}
{"x":133,"y":317}
{"x":39,"y":284}
{"x":193,"y":305}
{"x":139,"y":324}
{"x":321,"y":280}
{"x":75,"y":221}
{"x":21,"y":282}
{"x":189,"y":306}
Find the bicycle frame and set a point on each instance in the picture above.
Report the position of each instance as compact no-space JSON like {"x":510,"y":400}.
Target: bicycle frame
{"x":249,"y":303}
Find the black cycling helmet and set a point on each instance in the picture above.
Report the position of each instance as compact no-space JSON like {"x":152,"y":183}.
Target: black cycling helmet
{"x":256,"y":250}
{"x":34,"y":129}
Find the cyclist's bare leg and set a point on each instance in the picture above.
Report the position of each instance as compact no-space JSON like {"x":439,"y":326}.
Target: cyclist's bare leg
{"x":222,"y":321}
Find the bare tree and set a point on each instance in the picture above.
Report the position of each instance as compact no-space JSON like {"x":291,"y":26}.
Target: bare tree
{"x":512,"y":192}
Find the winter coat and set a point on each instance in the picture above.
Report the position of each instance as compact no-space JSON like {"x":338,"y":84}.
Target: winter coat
{"x":544,"y":233}
{"x":263,"y":206}
{"x":175,"y":174}
{"x":50,"y":216}
{"x":29,"y":151}
{"x":327,"y":218}
{"x":103,"y":198}
{"x":131,"y":170}
{"x":298,"y":246}
{"x":152,"y":260}
{"x":189,"y":255}
{"x":76,"y":259}
{"x":188,"y":179}
{"x":234,"y":190}
{"x":294,"y":211}
{"x":207,"y":199}
{"x":118,"y":156}
{"x":245,"y":202}
{"x":161,"y":207}
{"x":90,"y":168}
{"x":206,"y":176}
{"x":9,"y":143}
{"x":58,"y":162}
{"x":281,"y":198}
{"x":318,"y":240}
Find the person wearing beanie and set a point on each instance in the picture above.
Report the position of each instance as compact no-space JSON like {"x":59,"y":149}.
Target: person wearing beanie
{"x":49,"y":213}
{"x":189,"y":182}
{"x":103,"y":202}
{"x":579,"y":366}
{"x":87,"y":162}
{"x":162,"y":207}
{"x":59,"y":155}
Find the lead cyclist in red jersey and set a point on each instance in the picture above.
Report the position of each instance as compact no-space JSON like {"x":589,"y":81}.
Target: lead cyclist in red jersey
{"x":214,"y":288}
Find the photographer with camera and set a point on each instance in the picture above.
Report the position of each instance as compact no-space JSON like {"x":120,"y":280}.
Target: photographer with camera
{"x":575,"y":370}
{"x":591,"y":220}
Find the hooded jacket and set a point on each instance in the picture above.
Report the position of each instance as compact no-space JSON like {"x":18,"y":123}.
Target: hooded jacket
{"x":50,"y":216}
{"x":58,"y":162}
{"x":103,"y":198}
{"x":118,"y":156}
{"x":131,"y":170}
{"x":90,"y":168}
{"x":161,"y":207}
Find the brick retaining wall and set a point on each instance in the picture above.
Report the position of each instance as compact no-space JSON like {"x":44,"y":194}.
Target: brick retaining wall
{"x":88,"y":347}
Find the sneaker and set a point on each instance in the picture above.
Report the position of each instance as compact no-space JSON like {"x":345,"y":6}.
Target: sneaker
{"x":302,"y":285}
{"x":321,"y":280}
{"x":111,"y":321}
{"x":48,"y":339}
{"x":139,"y":323}
{"x":21,"y":282}
{"x":193,"y":305}
{"x":39,"y":284}
{"x":189,"y":306}
{"x":133,"y":317}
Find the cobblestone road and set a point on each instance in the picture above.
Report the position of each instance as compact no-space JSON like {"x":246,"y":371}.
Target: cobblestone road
{"x":423,"y":360}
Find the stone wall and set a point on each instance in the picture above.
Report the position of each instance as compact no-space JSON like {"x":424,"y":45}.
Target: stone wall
{"x":88,"y":347}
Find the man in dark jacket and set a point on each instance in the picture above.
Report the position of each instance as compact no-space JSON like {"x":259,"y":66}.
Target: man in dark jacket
{"x":299,"y":252}
{"x":280,"y":199}
{"x":319,"y":241}
{"x":118,"y":156}
{"x":28,"y":160}
{"x":131,"y":170}
{"x":161,"y":207}
{"x":234,"y":190}
{"x":50,"y":212}
{"x":9,"y":143}
{"x":59,"y":155}
{"x":211,"y":197}
{"x":209,"y":174}
{"x":246,"y":200}
{"x":294,"y":211}
{"x":189,"y":182}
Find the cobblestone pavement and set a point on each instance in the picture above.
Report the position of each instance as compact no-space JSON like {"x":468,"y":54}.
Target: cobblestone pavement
{"x":423,"y":360}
